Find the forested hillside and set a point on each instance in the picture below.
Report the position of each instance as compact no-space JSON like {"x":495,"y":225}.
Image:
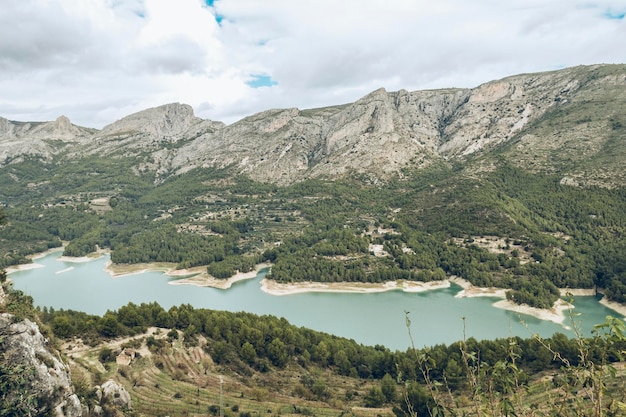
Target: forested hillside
{"x":426,"y":225}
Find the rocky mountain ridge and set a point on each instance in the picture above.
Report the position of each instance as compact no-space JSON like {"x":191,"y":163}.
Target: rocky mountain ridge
{"x":42,"y":140}
{"x":554,"y":121}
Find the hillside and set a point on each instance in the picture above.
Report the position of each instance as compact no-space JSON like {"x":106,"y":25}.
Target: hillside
{"x":532,"y":161}
{"x":147,"y":361}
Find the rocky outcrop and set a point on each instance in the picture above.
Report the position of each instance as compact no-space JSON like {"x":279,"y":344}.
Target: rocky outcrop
{"x":577,"y":111}
{"x":378,"y":135}
{"x":41,"y":140}
{"x":35,"y":381}
{"x":496,"y":111}
{"x":162,"y":122}
{"x":384,"y":133}
{"x":114,"y":394}
{"x":149,"y":129}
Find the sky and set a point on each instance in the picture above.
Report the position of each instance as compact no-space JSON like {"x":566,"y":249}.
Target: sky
{"x":96,"y":61}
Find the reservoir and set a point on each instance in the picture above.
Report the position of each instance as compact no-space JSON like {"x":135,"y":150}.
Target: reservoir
{"x":368,"y":318}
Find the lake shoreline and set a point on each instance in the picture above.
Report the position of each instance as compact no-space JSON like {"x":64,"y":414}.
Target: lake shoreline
{"x":33,"y":265}
{"x":556,"y":314}
{"x":204,"y":279}
{"x":615,"y":306}
{"x":278,"y":289}
{"x":70,"y":259}
{"x":198,"y":276}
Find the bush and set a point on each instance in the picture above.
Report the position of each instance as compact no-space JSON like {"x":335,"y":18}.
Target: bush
{"x":374,"y":398}
{"x":106,"y":355}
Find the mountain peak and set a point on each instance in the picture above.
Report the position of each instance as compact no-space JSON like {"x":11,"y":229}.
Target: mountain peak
{"x":165,"y":121}
{"x":63,"y":122}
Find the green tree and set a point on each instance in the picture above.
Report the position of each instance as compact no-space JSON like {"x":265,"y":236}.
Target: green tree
{"x":109,"y":326}
{"x":342,"y":362}
{"x":248,"y":353}
{"x":388,"y":388}
{"x":319,"y":389}
{"x":62,"y":327}
{"x":277,"y":352}
{"x":374,"y":397}
{"x":417,"y":402}
{"x":454,"y":373}
{"x":106,"y":355}
{"x":322,"y":353}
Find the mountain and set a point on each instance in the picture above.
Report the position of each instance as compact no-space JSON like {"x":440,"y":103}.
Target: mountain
{"x":518,"y":183}
{"x":571,"y":122}
{"x":42,"y":140}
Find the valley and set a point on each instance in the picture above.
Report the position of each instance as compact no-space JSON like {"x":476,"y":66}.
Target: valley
{"x":517,"y":184}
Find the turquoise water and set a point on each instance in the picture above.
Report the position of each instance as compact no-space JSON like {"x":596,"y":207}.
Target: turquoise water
{"x":371,"y":318}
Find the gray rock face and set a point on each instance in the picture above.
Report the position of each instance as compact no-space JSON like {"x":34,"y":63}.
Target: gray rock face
{"x":494,"y":112}
{"x":384,"y":133}
{"x":165,"y":122}
{"x":46,"y":383}
{"x":378,"y":136}
{"x":113,"y":393}
{"x":41,"y":140}
{"x":148,"y":129}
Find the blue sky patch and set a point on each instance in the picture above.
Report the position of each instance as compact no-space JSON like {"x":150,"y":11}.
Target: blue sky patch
{"x":612,"y":14}
{"x":261,"y":81}
{"x":218,"y":17}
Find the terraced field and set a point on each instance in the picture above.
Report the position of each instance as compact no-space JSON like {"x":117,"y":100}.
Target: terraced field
{"x":184,"y":381}
{"x":171,"y":379}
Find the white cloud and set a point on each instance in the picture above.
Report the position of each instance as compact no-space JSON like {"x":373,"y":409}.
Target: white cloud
{"x":98,"y":60}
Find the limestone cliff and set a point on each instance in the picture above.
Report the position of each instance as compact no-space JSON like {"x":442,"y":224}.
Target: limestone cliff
{"x":578,"y":111}
{"x":41,"y":140}
{"x":34,"y":380}
{"x":569,"y":121}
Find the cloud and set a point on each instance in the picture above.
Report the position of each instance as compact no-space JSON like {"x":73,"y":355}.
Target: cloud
{"x":174,"y":55}
{"x":98,"y":60}
{"x":41,"y":39}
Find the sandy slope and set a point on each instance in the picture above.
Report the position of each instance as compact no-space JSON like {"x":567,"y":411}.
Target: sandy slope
{"x":203,"y":279}
{"x":275,"y":288}
{"x":617,"y":307}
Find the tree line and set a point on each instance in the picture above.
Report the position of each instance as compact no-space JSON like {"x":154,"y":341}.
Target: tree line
{"x":247,"y":343}
{"x":275,"y":342}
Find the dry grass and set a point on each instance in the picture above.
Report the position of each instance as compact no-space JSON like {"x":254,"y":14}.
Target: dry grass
{"x":184,"y":381}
